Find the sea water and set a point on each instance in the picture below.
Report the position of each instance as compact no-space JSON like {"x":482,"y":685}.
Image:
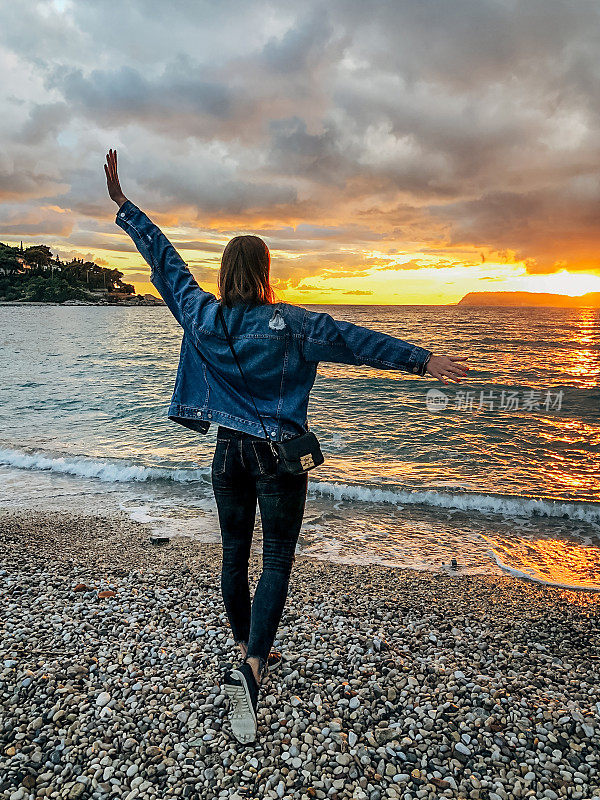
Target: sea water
{"x":500,"y":472}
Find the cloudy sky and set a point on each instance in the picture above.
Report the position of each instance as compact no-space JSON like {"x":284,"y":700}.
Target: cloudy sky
{"x":401,"y":152}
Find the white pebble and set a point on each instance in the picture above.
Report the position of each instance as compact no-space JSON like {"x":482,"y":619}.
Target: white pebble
{"x":103,"y":699}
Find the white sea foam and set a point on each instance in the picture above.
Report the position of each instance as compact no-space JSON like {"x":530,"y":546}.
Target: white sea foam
{"x":111,"y":471}
{"x":102,"y":469}
{"x":467,"y":501}
{"x":140,"y":514}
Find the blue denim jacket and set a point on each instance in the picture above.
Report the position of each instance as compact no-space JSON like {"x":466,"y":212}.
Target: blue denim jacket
{"x":278,"y":345}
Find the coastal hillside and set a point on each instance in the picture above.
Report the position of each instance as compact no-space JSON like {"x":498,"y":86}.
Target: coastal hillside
{"x":34,"y":274}
{"x":529,"y":299}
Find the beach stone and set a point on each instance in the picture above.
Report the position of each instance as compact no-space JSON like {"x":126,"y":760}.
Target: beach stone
{"x":103,"y":699}
{"x":159,"y":539}
{"x":461,"y":751}
{"x":383,"y":735}
{"x":351,"y":724}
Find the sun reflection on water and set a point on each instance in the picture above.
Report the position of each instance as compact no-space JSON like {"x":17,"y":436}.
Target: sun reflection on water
{"x":553,"y":561}
{"x":583,"y":361}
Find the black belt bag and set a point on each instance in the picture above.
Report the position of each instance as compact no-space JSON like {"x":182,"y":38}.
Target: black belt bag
{"x":300,"y":453}
{"x":296,"y":455}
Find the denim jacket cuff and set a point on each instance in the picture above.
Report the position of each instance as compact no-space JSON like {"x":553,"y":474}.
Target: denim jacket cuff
{"x":417,"y":363}
{"x":126,"y":211}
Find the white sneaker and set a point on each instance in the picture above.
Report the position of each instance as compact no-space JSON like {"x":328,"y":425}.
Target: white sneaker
{"x":242,"y":689}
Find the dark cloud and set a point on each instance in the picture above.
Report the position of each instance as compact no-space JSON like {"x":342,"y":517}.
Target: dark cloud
{"x":331,"y":129}
{"x":530,"y":221}
{"x":302,"y":47}
{"x":125,"y":94}
{"x":209,"y":247}
{"x":23,"y":180}
{"x":34,"y":222}
{"x":45,"y":119}
{"x":212,"y":188}
{"x":316,"y":156}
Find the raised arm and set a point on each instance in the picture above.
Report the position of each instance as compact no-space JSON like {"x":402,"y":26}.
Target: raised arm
{"x":328,"y":339}
{"x":168,"y":271}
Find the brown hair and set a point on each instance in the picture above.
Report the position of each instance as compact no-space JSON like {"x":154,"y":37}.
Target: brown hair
{"x":244,"y":274}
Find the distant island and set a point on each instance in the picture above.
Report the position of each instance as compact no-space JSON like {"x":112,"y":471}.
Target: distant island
{"x":529,"y":299}
{"x":34,"y":275}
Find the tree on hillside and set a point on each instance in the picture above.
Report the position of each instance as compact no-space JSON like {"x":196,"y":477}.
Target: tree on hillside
{"x":8,"y":261}
{"x":50,"y":290}
{"x":115,"y":277}
{"x":38,"y":256}
{"x":73,"y":272}
{"x":93,"y":275}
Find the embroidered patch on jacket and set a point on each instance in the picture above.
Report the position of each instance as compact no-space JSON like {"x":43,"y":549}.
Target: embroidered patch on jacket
{"x":277,"y":321}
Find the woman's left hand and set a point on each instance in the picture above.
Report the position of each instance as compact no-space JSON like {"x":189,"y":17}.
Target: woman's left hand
{"x":443,"y":367}
{"x":112,"y":178}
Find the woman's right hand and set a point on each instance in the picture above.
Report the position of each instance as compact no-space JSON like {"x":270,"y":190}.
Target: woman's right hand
{"x":112,"y":178}
{"x":443,"y":367}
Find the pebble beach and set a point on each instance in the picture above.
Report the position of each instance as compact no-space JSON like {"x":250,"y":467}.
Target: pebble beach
{"x":394,"y":683}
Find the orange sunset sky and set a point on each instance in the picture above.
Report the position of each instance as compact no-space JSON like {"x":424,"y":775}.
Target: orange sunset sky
{"x":390,"y":152}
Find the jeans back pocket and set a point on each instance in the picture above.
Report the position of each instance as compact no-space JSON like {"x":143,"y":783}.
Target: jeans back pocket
{"x":266,"y":461}
{"x":219,"y":462}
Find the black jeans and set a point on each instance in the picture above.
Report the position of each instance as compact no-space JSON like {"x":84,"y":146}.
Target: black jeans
{"x":245,"y":470}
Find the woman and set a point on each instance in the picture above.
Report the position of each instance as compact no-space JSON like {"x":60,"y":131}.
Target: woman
{"x":279,"y":347}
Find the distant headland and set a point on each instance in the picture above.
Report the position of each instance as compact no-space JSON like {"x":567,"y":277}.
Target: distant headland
{"x":530,"y":299}
{"x":34,"y":275}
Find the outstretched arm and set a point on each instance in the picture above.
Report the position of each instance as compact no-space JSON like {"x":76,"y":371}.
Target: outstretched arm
{"x":328,"y":339}
{"x":168,"y":271}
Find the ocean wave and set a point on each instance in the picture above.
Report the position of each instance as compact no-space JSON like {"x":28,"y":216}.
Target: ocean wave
{"x":102,"y":469}
{"x":509,"y":505}
{"x":112,"y":471}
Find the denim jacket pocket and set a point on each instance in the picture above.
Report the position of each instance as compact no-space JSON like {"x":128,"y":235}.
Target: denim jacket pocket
{"x":219,"y":462}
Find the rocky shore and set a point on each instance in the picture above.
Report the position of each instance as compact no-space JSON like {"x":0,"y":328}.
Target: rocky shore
{"x":133,"y":300}
{"x":395,"y":683}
